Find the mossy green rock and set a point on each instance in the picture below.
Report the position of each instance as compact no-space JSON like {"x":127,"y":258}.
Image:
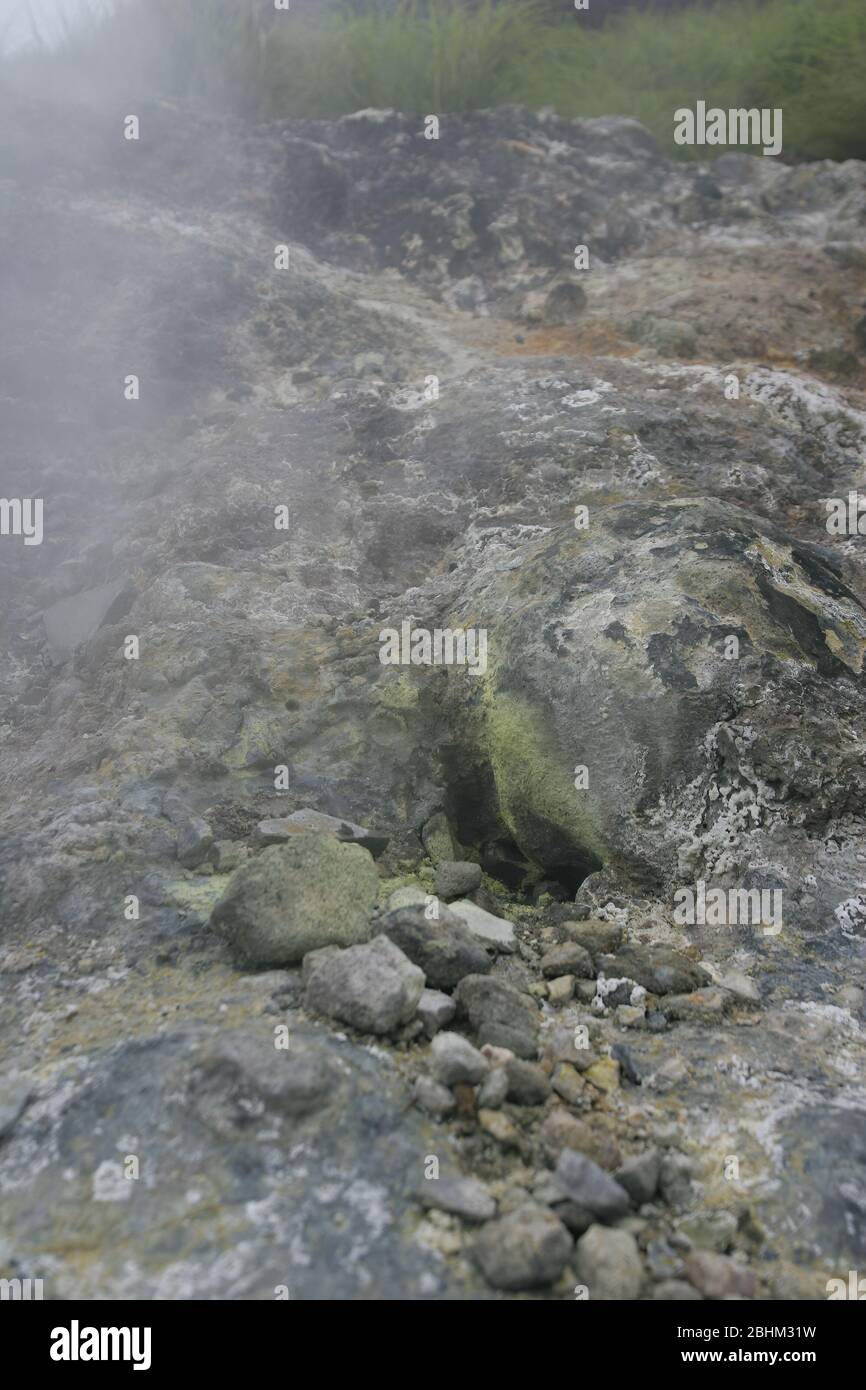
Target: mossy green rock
{"x":313,"y":891}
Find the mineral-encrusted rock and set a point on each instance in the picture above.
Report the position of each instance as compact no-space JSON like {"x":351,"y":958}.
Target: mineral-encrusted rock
{"x":235,"y":1074}
{"x":643,"y":683}
{"x":659,"y":969}
{"x":277,"y":830}
{"x":312,"y":891}
{"x":373,"y":986}
{"x":438,"y":840}
{"x":708,"y":1005}
{"x":599,"y":938}
{"x":206,"y":1094}
{"x":444,"y":947}
{"x":696,"y":648}
{"x":609,"y":1264}
{"x":500,"y":1014}
{"x":528,"y":1249}
{"x":407,"y":897}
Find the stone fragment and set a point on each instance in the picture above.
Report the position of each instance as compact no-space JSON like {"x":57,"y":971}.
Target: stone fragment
{"x":527,"y":1249}
{"x":454,"y":1059}
{"x":373,"y":987}
{"x":609,"y":1264}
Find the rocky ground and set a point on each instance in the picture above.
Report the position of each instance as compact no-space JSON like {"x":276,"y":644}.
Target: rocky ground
{"x":324,"y":978}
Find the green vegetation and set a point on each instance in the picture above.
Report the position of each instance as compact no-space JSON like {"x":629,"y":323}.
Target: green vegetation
{"x":806,"y":56}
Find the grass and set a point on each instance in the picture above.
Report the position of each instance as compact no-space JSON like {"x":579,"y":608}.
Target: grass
{"x":806,"y":56}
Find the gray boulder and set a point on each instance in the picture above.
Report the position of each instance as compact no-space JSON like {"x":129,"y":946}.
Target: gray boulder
{"x":373,"y":987}
{"x":609,"y":1264}
{"x":527,"y":1249}
{"x":697,"y":762}
{"x":312,"y":891}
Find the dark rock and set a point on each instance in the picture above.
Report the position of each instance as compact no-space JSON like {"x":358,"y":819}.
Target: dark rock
{"x":591,"y":1187}
{"x":629,"y":1067}
{"x":194,"y":843}
{"x":456,"y":878}
{"x":527,"y":1083}
{"x":499,"y":1014}
{"x":660,"y":969}
{"x":640,"y":1176}
{"x":444,"y":948}
{"x":568,"y":959}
